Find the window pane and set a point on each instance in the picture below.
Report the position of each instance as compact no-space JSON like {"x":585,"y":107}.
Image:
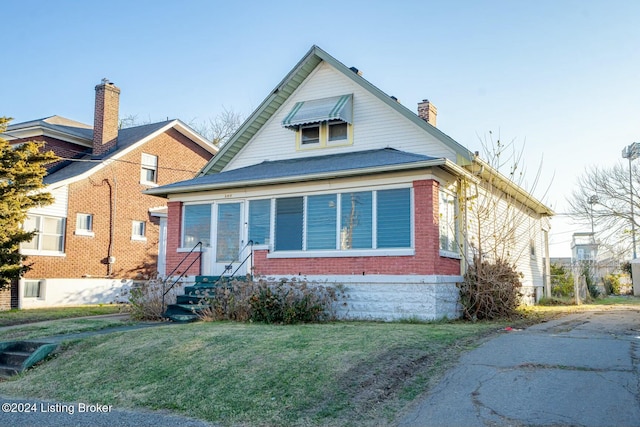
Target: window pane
{"x":321,"y":222}
{"x":356,"y":220}
{"x":197,"y":225}
{"x":32,"y":289}
{"x":84,"y":222}
{"x":289,"y":224}
{"x":138,"y":228}
{"x":337,"y":131}
{"x":448,"y":229}
{"x":259,"y":221}
{"x":149,"y":160}
{"x":311,"y":135}
{"x":52,"y":225}
{"x":394,"y":218}
{"x":51,"y":243}
{"x":148,"y":175}
{"x":228,"y":238}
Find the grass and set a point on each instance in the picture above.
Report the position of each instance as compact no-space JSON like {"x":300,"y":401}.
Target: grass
{"x":57,"y":327}
{"x":19,"y":317}
{"x":343,"y":373}
{"x":239,"y":374}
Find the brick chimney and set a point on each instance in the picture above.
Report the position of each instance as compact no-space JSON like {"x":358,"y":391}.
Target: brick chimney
{"x":105,"y":118}
{"x":427,"y":112}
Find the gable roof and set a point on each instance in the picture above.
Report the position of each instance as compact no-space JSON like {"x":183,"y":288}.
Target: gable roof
{"x":128,"y":140}
{"x":53,"y":126}
{"x":307,"y":169}
{"x":285,"y":89}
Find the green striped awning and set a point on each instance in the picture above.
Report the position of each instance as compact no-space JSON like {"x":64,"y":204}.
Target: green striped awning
{"x":320,"y":110}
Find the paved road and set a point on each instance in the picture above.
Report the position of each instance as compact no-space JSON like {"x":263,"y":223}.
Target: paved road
{"x":581,"y":370}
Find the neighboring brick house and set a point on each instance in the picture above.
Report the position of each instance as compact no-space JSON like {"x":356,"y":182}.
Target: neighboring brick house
{"x":332,"y":180}
{"x":102,"y":231}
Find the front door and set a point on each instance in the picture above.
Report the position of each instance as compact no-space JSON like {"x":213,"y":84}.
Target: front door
{"x":228,"y":240}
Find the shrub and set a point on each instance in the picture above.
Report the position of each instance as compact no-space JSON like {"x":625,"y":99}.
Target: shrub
{"x":285,"y":302}
{"x":561,"y":281}
{"x":490,"y":290}
{"x":145,"y":299}
{"x":612,"y":284}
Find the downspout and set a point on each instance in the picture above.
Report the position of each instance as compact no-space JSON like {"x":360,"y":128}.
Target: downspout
{"x":113,"y":189}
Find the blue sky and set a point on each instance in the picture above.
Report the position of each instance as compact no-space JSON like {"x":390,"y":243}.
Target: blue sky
{"x":560,"y":77}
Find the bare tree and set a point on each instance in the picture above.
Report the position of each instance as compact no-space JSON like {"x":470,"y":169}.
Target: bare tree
{"x":604,"y":197}
{"x":219,"y":129}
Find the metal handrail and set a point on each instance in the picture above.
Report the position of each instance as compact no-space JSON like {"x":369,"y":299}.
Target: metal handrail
{"x":164,"y":283}
{"x":230,"y":266}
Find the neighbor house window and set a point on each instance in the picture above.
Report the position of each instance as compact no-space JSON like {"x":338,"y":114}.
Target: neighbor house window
{"x":48,"y":238}
{"x":32,"y":288}
{"x":196,"y":225}
{"x":84,"y":224}
{"x":149,"y":169}
{"x":260,"y":221}
{"x":448,"y":223}
{"x":364,"y":220}
{"x":138,"y":230}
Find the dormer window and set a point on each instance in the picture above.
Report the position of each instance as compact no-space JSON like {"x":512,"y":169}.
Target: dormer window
{"x":310,"y":134}
{"x":322,"y":122}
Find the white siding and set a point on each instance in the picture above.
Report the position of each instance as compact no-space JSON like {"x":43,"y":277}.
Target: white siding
{"x":507,"y":230}
{"x":375,"y":125}
{"x":59,"y":206}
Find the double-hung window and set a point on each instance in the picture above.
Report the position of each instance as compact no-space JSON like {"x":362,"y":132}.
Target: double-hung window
{"x":149,"y":169}
{"x":48,"y":238}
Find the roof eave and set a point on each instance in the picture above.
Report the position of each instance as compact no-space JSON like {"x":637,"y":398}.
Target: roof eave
{"x":444,"y":163}
{"x":481,"y":168}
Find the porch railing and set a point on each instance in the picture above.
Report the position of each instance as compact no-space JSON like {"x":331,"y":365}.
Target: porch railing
{"x":165,"y":291}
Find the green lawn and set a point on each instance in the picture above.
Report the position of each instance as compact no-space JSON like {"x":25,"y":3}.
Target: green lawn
{"x":238,"y":374}
{"x":18,"y":317}
{"x":58,"y":327}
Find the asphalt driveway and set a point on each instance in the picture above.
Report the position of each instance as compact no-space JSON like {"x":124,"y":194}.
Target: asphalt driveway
{"x":581,"y":370}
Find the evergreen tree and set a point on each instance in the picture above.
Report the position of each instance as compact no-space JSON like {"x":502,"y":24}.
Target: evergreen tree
{"x":22,"y":169}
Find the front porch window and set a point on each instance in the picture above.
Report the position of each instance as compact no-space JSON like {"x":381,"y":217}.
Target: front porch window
{"x":339,"y":222}
{"x":196,"y":225}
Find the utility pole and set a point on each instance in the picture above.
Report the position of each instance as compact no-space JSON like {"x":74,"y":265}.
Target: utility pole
{"x":632,"y":152}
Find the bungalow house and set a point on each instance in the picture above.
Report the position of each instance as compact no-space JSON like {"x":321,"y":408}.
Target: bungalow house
{"x":332,"y":180}
{"x":102,"y":232}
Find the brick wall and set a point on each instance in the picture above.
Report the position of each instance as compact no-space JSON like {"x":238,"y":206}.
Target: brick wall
{"x":5,"y":298}
{"x":115,"y":192}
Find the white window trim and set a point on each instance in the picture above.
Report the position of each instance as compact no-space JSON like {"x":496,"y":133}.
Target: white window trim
{"x":41,"y":252}
{"x":144,"y":166}
{"x":137,"y":237}
{"x":82,"y":231}
{"x":330,"y":253}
